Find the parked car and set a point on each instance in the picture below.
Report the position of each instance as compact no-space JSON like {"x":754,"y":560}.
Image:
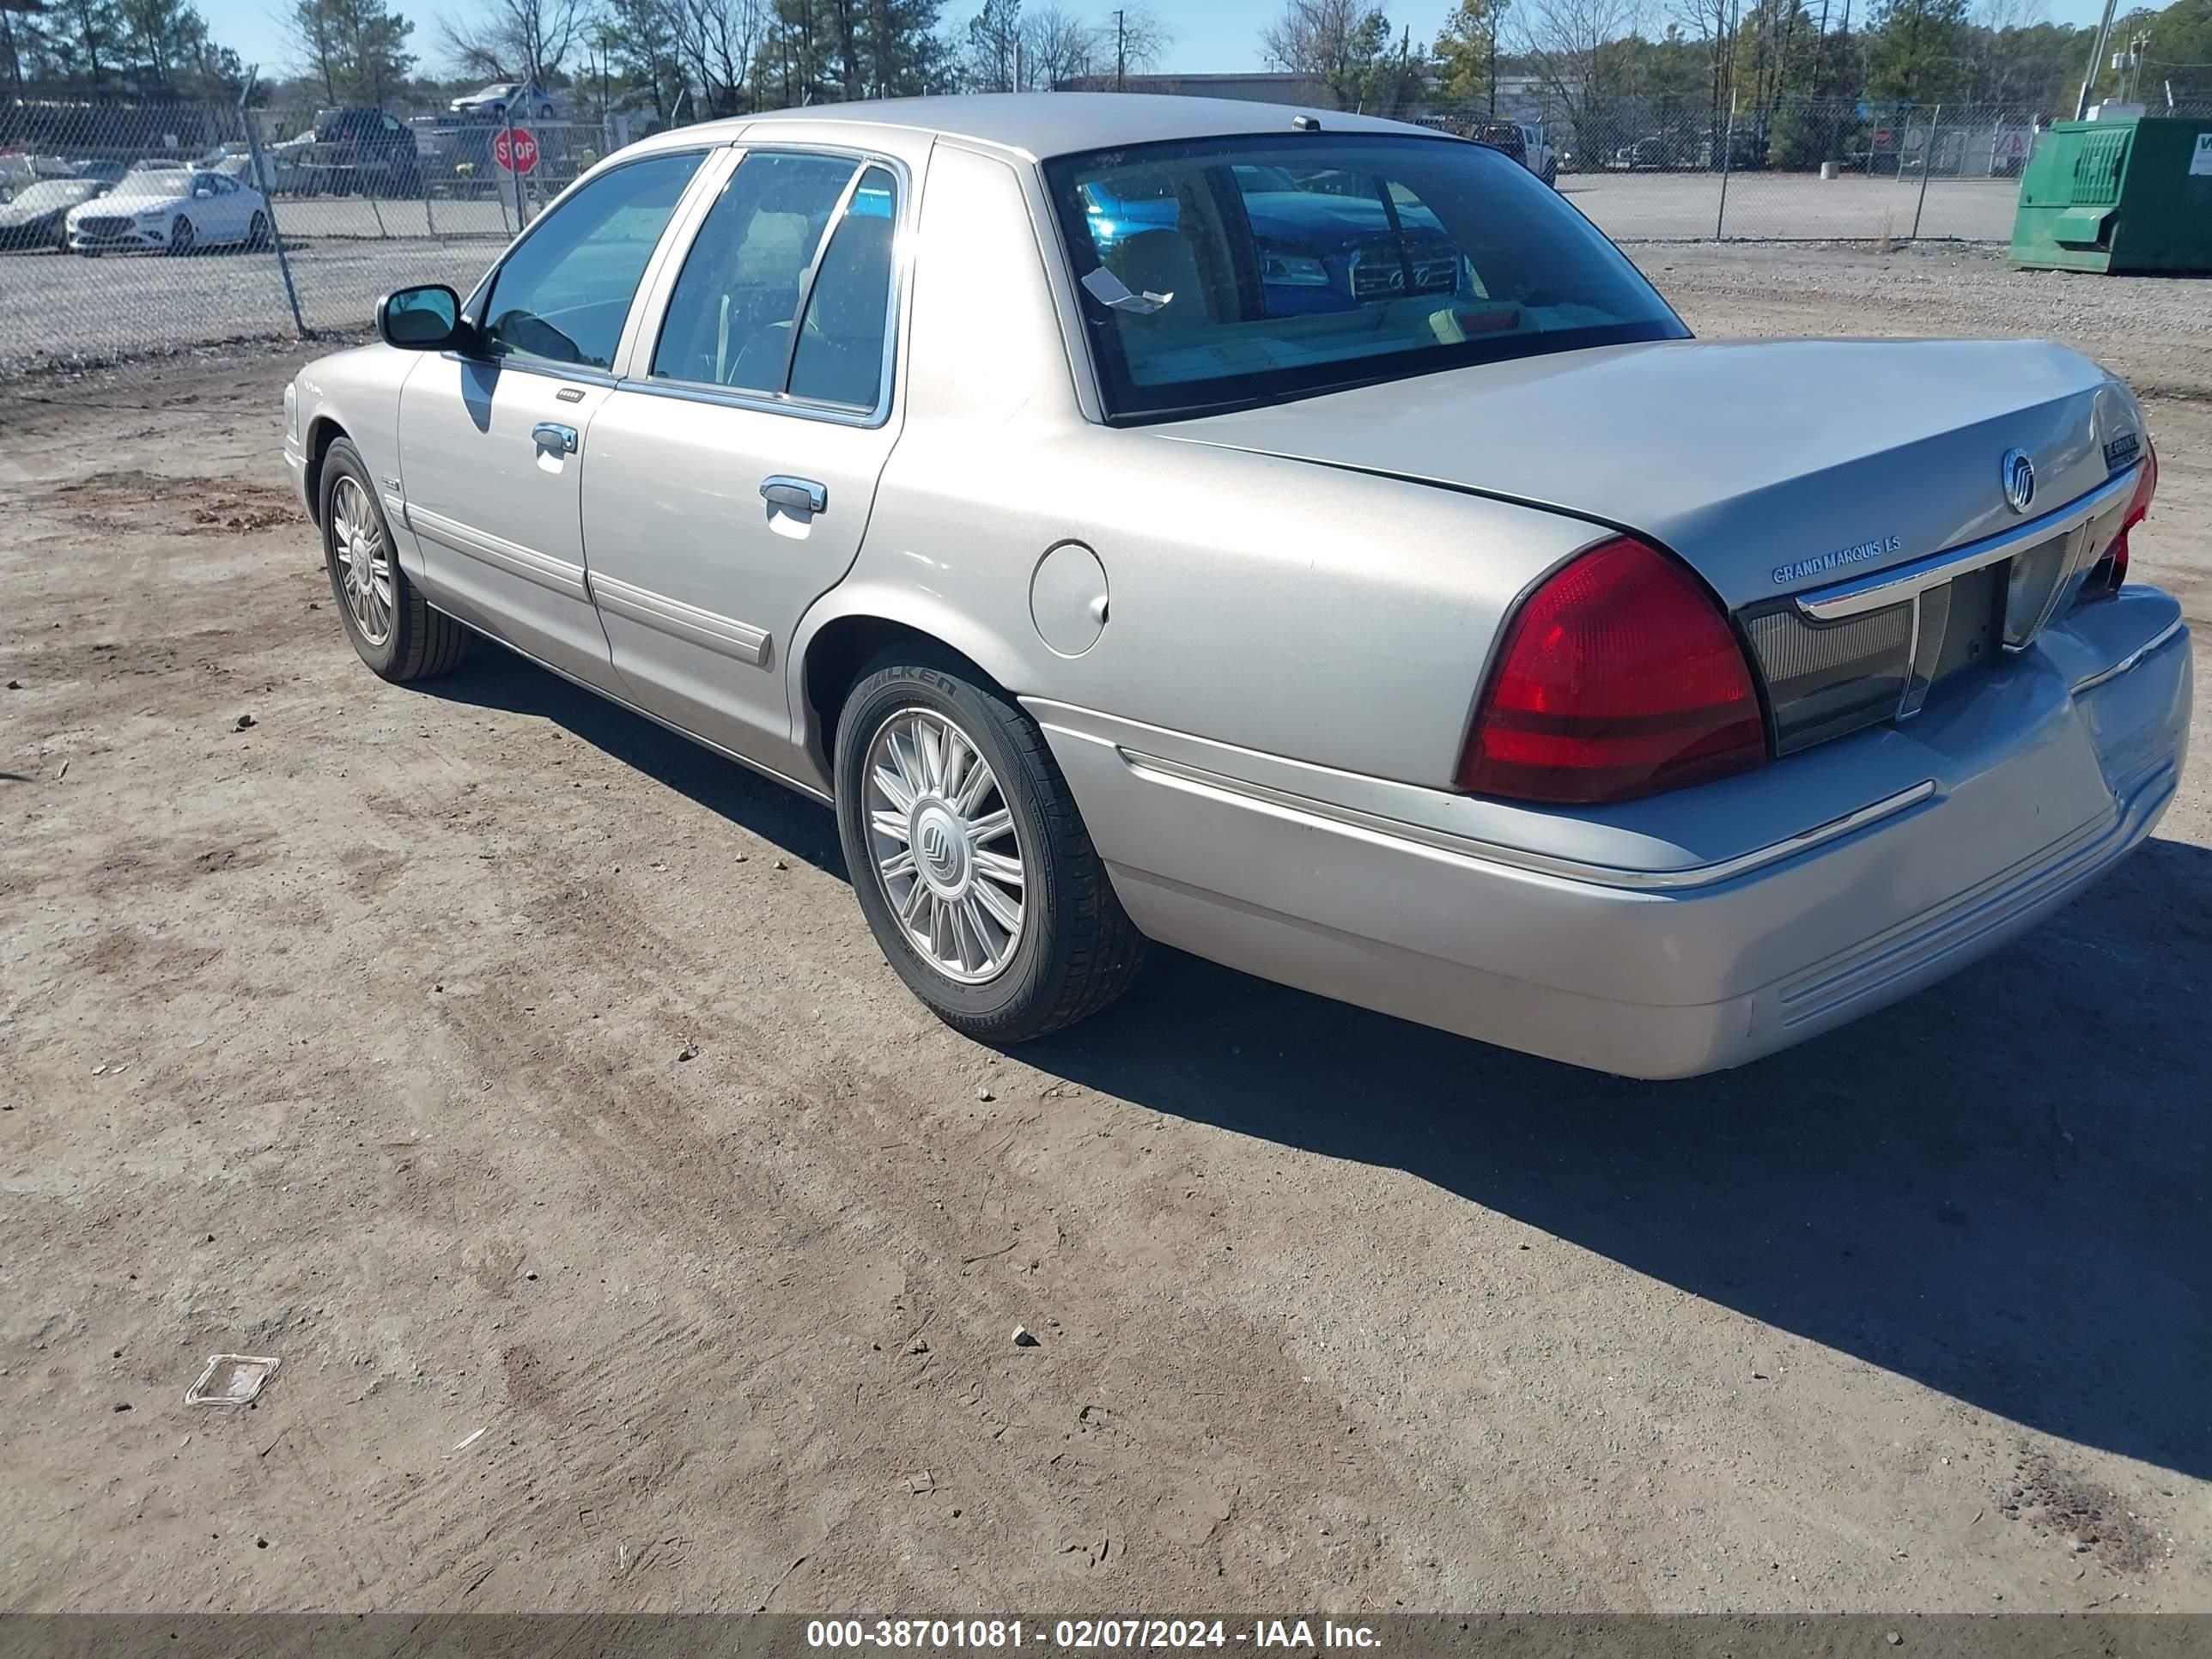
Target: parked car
{"x":503,"y":99}
{"x":103,"y":171}
{"x":1103,"y":601}
{"x":37,"y":216}
{"x":20,"y":170}
{"x":174,"y":210}
{"x":1537,"y":154}
{"x":359,"y":151}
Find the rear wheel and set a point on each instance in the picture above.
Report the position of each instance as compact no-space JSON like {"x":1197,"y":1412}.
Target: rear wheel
{"x":182,"y":236}
{"x":969,"y":858}
{"x":392,"y":627}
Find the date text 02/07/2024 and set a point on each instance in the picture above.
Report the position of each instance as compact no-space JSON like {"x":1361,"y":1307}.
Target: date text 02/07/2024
{"x":1081,"y":1635}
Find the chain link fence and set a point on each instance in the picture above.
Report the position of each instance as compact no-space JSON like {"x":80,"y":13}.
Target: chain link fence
{"x":296,"y":221}
{"x":1647,"y":170}
{"x":135,"y":230}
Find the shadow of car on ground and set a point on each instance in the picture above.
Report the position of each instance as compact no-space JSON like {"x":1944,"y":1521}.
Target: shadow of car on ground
{"x":1997,"y":1188}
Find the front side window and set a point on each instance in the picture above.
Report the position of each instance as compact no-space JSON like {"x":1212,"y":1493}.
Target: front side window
{"x":785,"y":292}
{"x":564,"y":294}
{"x":1229,"y":271}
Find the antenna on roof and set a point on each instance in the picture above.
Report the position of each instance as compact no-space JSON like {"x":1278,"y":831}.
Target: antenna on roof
{"x":1305,"y":123}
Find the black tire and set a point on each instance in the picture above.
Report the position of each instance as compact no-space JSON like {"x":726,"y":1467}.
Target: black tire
{"x":1077,"y":950}
{"x":257,"y":234}
{"x":420,"y":641}
{"x":184,"y":235}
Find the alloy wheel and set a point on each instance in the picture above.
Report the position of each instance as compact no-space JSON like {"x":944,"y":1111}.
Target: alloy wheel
{"x":363,"y":560}
{"x":942,"y":840}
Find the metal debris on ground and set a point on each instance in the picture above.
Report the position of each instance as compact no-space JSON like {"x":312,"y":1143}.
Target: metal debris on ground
{"x":231,"y":1379}
{"x":920,"y":1484}
{"x":1023,"y":1339}
{"x":246,"y":722}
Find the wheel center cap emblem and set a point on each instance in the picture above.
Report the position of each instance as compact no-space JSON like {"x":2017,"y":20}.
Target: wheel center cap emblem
{"x":2019,"y":475}
{"x":937,"y":849}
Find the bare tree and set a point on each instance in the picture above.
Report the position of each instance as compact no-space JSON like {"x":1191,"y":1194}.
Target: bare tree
{"x":717,"y":42}
{"x":1572,"y":46}
{"x":1057,"y":46}
{"x":1132,"y":40}
{"x":1713,"y":23}
{"x":517,"y":39}
{"x":1335,"y":42}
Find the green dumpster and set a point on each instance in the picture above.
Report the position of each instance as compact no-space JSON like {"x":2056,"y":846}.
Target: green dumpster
{"x":2118,"y":196}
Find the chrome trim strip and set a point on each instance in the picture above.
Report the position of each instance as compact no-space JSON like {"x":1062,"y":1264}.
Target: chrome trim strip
{"x":512,"y":557}
{"x":1242,"y":791}
{"x":2134,"y":658}
{"x":1905,"y":581}
{"x":708,"y":629}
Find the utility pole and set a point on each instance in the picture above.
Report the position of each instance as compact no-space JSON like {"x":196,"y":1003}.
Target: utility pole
{"x":1493,"y":65}
{"x":2096,"y":63}
{"x":1120,"y":50}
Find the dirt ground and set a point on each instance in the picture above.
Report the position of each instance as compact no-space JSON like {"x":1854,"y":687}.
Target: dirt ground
{"x":527,"y":1081}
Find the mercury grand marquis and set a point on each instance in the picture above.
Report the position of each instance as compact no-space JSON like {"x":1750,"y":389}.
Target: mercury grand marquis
{"x":1443,"y":630}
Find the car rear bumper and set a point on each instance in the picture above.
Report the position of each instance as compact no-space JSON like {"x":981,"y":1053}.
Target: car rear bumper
{"x":1960,"y":829}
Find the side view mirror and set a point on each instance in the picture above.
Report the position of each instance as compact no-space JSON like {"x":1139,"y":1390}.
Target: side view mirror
{"x":425,"y":319}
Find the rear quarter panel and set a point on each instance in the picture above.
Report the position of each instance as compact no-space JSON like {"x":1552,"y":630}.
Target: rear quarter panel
{"x":1280,"y":605}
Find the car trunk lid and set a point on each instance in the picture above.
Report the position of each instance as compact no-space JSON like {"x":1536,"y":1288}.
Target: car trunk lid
{"x":1770,"y":467}
{"x":1848,"y":501}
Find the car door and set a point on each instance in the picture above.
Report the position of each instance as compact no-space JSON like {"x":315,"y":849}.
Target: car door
{"x":493,"y":447}
{"x":734,"y":467}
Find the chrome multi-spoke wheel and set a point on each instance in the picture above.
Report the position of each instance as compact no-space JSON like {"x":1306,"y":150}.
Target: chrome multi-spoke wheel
{"x":386,"y":617}
{"x":968,"y":855}
{"x":942,"y":838}
{"x":362,"y":560}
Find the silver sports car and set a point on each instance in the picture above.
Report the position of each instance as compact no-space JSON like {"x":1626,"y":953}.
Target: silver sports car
{"x":1297,"y":538}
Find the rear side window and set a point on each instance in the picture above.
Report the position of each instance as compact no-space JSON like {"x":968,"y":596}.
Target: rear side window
{"x":1228,"y":271}
{"x":839,"y":358}
{"x":565,"y":291}
{"x":786,"y":290}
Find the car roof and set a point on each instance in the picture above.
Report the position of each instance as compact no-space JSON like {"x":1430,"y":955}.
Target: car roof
{"x":1037,"y":125}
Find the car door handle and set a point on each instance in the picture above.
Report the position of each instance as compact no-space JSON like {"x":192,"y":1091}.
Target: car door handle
{"x":794,"y":494}
{"x":551,"y":434}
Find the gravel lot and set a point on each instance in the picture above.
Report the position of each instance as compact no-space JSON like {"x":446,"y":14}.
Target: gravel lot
{"x":525,"y":1079}
{"x":78,"y":311}
{"x":1673,"y":207}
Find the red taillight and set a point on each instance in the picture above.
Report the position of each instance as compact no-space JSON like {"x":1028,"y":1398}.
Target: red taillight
{"x":1618,"y":678}
{"x":2105,"y":576}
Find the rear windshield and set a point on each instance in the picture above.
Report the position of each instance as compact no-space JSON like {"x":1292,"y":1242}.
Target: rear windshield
{"x":1224,"y":272}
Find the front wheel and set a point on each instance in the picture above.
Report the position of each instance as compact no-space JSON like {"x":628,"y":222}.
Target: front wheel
{"x":182,"y":236}
{"x":257,"y":234}
{"x":392,"y":626}
{"x":970,"y":859}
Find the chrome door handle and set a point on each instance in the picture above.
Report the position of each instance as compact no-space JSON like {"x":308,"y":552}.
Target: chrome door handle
{"x":794,"y":494}
{"x":551,"y":434}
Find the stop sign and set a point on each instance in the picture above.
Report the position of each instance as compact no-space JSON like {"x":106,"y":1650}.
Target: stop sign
{"x":516,"y":149}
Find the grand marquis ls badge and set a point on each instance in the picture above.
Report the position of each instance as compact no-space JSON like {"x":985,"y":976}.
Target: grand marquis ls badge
{"x":2019,"y":475}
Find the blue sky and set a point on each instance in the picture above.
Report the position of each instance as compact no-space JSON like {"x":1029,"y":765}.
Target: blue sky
{"x":1210,"y":34}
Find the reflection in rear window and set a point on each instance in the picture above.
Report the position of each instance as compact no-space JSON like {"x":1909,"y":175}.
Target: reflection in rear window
{"x":1228,"y":271}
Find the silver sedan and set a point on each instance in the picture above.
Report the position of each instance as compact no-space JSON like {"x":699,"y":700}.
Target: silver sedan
{"x":1299,"y":539}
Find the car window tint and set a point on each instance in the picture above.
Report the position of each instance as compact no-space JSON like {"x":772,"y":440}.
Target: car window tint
{"x":564,"y":292}
{"x":729,"y":318}
{"x":1235,"y":270}
{"x":841,"y":339}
